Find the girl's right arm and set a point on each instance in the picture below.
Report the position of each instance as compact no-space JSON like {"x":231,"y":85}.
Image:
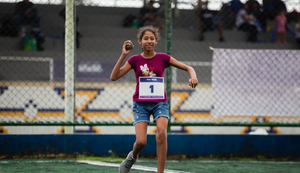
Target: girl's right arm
{"x":119,"y":71}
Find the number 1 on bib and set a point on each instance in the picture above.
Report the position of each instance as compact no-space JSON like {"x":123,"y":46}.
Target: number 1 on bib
{"x":151,"y":88}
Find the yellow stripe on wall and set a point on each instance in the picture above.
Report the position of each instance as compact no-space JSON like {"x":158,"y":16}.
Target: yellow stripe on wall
{"x":11,"y":113}
{"x":50,"y":114}
{"x":181,"y":115}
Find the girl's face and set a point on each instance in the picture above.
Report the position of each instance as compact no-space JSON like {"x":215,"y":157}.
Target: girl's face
{"x":148,"y":41}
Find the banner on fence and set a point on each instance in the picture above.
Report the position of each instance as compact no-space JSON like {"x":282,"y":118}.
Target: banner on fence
{"x":256,"y":82}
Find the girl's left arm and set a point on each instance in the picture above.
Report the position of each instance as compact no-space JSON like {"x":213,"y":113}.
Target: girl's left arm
{"x":193,"y":81}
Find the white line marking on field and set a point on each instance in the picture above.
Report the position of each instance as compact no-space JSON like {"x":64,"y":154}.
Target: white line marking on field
{"x":227,"y":161}
{"x":38,"y":161}
{"x":136,"y":167}
{"x":244,"y":162}
{"x":150,"y":161}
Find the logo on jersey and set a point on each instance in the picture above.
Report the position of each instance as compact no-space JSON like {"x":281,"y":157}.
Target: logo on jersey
{"x":146,"y":71}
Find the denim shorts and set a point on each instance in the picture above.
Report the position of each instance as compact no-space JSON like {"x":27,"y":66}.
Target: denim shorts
{"x":143,"y":110}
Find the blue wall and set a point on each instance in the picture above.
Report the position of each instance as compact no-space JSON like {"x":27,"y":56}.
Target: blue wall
{"x":241,"y":145}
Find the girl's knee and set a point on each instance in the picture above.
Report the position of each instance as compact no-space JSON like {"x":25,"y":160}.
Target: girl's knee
{"x":161,"y":136}
{"x":141,"y":143}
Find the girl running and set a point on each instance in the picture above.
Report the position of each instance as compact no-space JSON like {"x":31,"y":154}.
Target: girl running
{"x":150,"y":95}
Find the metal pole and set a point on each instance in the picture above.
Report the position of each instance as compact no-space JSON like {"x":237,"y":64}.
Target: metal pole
{"x":70,"y":65}
{"x":168,"y":51}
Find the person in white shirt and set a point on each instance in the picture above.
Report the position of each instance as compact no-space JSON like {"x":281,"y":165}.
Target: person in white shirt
{"x":297,"y":29}
{"x":246,"y":22}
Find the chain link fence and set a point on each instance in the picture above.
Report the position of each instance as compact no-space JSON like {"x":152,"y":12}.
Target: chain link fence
{"x":241,"y":81}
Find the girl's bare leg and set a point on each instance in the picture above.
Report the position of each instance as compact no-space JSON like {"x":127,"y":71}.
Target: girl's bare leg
{"x":141,"y":138}
{"x":161,"y":143}
{"x":284,"y":38}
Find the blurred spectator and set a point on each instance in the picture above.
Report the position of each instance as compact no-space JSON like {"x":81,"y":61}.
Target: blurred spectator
{"x":279,"y":6}
{"x":273,"y":7}
{"x":130,"y":21}
{"x":208,"y":21}
{"x":147,"y":13}
{"x":268,"y":6}
{"x":62,"y":14}
{"x":256,"y":9}
{"x":27,"y":23}
{"x":292,"y":16}
{"x":246,"y":22}
{"x":298,"y":31}
{"x":227,"y":16}
{"x":235,"y":6}
{"x":154,"y":21}
{"x":26,"y":14}
{"x":281,"y":24}
{"x":253,"y":7}
{"x":199,"y":5}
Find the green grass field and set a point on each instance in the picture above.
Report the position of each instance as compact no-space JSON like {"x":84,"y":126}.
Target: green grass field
{"x":108,"y":165}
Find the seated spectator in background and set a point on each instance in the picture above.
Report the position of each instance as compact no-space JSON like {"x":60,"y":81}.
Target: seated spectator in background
{"x":255,"y":9}
{"x":26,"y":14}
{"x":32,"y":39}
{"x":62,"y":14}
{"x":235,"y":6}
{"x":27,"y":22}
{"x":226,"y":16}
{"x":130,"y":21}
{"x":154,"y":21}
{"x":246,"y":22}
{"x":297,"y":29}
{"x":146,"y":13}
{"x":281,"y":23}
{"x":208,"y":22}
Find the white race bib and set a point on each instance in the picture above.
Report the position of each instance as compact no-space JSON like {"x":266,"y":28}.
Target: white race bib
{"x":151,"y":88}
